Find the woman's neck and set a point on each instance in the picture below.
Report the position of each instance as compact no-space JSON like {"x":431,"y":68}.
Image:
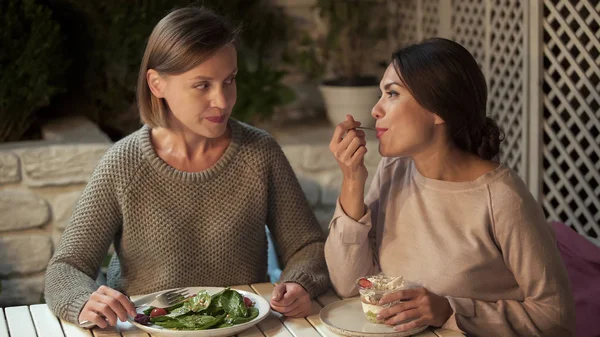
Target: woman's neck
{"x":187,"y":151}
{"x":184,"y":143}
{"x":448,"y":163}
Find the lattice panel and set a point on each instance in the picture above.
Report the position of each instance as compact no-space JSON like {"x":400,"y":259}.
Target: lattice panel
{"x":408,"y":22}
{"x":468,"y":26}
{"x":506,"y":78}
{"x":430,"y":20}
{"x":571,"y":126}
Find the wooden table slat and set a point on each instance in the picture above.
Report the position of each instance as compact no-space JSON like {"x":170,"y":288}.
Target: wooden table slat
{"x":426,"y":333}
{"x":109,"y":331}
{"x":72,"y":330}
{"x":45,"y":321}
{"x":271,"y":326}
{"x":129,"y":330}
{"x":3,"y":326}
{"x":298,"y":327}
{"x":20,"y":322}
{"x":447,"y":333}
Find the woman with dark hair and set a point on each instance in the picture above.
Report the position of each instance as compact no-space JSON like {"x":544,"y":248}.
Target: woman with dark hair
{"x":440,"y":212}
{"x":185,"y":199}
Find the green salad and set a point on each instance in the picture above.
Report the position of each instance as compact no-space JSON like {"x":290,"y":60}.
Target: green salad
{"x":202,"y":311}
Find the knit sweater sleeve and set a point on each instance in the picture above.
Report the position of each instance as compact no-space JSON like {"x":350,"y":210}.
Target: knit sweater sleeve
{"x":71,"y":273}
{"x":529,"y":249}
{"x":298,"y":237}
{"x":350,"y":250}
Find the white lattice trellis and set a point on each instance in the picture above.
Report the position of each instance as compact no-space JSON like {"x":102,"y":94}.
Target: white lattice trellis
{"x":548,"y":108}
{"x":469,"y":27}
{"x":494,"y":32}
{"x":506,"y":78}
{"x":430,"y":18}
{"x":406,"y":24}
{"x":571,"y":124}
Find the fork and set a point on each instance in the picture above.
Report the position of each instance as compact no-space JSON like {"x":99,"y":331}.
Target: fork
{"x":365,"y":128}
{"x":161,"y":300}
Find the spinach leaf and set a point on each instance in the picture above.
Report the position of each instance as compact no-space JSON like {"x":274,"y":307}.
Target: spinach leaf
{"x":196,"y":321}
{"x":233,"y":304}
{"x":252,"y":314}
{"x":167,"y":322}
{"x":200,"y":322}
{"x":199,"y":302}
{"x":179,"y":312}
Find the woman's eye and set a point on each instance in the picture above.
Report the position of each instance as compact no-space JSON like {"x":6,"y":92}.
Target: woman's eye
{"x":230,"y":81}
{"x":391,"y":94}
{"x":201,"y":86}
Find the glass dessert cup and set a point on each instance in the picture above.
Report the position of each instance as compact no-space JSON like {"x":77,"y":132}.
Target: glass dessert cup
{"x":373,"y":288}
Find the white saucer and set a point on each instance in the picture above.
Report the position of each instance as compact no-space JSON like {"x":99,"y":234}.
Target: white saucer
{"x":347,"y":318}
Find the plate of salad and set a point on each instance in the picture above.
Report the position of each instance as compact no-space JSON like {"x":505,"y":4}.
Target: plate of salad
{"x":211,"y":312}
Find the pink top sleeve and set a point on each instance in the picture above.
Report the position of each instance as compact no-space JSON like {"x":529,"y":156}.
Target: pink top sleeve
{"x":350,"y":250}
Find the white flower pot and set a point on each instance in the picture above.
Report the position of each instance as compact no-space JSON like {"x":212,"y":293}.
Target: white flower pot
{"x":356,"y":101}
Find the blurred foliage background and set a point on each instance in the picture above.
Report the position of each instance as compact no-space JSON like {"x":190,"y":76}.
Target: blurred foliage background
{"x":72,"y":57}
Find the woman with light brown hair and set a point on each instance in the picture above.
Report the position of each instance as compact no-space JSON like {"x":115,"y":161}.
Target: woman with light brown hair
{"x":185,"y":199}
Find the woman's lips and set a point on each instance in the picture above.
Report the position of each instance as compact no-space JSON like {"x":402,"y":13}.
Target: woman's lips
{"x":216,"y":119}
{"x":380,"y":131}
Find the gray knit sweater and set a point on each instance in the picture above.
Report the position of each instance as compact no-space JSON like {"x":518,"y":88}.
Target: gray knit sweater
{"x":175,"y":229}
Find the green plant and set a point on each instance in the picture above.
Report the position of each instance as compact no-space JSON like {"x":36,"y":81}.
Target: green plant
{"x":265,"y":29}
{"x":115,"y":35}
{"x":32,"y":64}
{"x":260,"y":91}
{"x":344,"y":43}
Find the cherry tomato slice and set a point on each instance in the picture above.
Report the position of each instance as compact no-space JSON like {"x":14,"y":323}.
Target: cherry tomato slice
{"x":157,"y":312}
{"x":248,"y":302}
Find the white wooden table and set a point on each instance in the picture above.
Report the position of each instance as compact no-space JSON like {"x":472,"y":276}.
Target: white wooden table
{"x":37,"y":321}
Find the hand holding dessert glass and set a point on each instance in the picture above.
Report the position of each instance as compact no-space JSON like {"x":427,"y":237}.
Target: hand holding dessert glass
{"x":373,"y":288}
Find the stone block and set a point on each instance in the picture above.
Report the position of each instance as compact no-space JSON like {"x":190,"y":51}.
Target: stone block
{"x":22,"y":290}
{"x":331,"y":183}
{"x":62,"y":208}
{"x":310,"y":188}
{"x":60,"y":164}
{"x":22,"y":209}
{"x":24,"y":253}
{"x":9,"y":168}
{"x":75,"y":129}
{"x":319,"y":158}
{"x":295,"y":155}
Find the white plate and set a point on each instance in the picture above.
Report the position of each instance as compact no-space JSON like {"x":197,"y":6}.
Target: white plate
{"x":347,"y":318}
{"x":260,"y":303}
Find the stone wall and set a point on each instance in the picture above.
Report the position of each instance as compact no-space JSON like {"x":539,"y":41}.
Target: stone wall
{"x":40,"y":182}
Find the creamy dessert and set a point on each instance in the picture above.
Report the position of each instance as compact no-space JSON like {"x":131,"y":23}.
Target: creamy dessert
{"x":372,"y":289}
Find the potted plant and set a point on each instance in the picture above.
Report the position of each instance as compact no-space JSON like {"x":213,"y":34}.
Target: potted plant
{"x":338,"y":49}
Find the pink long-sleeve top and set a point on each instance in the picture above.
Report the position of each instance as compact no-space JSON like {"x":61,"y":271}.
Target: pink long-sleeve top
{"x":484,"y":244}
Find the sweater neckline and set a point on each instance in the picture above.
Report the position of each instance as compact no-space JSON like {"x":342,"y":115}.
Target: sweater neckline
{"x":456,"y":185}
{"x":190,"y":177}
